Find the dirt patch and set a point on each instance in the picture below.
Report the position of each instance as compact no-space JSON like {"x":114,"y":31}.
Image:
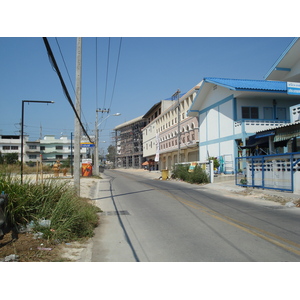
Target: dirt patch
{"x":27,"y":248}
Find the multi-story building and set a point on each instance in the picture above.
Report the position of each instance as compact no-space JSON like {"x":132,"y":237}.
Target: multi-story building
{"x":129,"y":143}
{"x":171,"y":133}
{"x":11,"y":144}
{"x":150,"y":136}
{"x":49,"y":149}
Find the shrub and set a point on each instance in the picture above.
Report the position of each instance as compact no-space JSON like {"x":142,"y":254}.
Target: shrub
{"x":71,"y":216}
{"x":198,"y":175}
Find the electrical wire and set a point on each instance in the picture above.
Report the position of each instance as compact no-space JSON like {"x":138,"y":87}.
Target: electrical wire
{"x":115,"y":79}
{"x":107,"y":67}
{"x":70,"y":78}
{"x":117,"y":67}
{"x":55,"y":66}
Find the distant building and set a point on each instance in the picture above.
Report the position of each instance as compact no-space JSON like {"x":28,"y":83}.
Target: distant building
{"x":49,"y":149}
{"x":129,"y":143}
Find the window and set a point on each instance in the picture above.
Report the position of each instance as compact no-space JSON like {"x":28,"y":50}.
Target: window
{"x":6,"y":147}
{"x":249,"y":112}
{"x":14,"y":147}
{"x":58,"y":156}
{"x":59,"y":147}
{"x":32,"y":147}
{"x":32,"y":156}
{"x":42,"y":147}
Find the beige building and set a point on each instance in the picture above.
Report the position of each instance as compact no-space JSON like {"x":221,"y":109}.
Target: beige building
{"x":171,"y":132}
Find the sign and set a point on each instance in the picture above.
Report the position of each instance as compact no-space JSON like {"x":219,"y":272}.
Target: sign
{"x":192,"y":166}
{"x":293,"y":88}
{"x":87,"y":145}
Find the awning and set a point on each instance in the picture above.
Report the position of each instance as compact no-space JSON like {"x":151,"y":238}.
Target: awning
{"x":253,"y":142}
{"x":287,"y":133}
{"x":264,"y":134}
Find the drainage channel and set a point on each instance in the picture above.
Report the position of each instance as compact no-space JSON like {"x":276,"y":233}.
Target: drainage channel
{"x":115,"y":213}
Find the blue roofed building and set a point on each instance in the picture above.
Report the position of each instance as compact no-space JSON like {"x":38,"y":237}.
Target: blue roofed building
{"x":231,"y":110}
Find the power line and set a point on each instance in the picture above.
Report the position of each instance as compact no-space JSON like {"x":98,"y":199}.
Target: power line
{"x":55,"y":66}
{"x":107,"y":66}
{"x":117,"y":67}
{"x":69,"y":76}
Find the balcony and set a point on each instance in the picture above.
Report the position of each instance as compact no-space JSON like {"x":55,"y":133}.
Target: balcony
{"x":255,"y":125}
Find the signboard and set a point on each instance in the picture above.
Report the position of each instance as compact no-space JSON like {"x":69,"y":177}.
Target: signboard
{"x":293,"y":88}
{"x":192,"y":166}
{"x":87,"y":145}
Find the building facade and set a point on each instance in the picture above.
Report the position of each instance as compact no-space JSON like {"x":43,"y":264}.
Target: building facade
{"x":230,"y":110}
{"x":48,"y":150}
{"x":129,"y":143}
{"x":172,"y":137}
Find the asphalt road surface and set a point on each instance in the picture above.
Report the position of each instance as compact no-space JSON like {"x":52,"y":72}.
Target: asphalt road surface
{"x":146,"y":220}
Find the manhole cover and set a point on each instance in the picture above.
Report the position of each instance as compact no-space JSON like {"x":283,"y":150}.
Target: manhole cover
{"x":114,"y":213}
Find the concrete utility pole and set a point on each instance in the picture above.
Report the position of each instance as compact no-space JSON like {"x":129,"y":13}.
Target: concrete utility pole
{"x":97,"y":140}
{"x":177,"y":94}
{"x":77,"y":131}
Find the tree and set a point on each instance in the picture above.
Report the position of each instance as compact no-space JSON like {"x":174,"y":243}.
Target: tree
{"x":111,"y":153}
{"x":11,"y":158}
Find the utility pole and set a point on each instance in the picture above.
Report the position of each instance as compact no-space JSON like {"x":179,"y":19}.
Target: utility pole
{"x":177,"y":94}
{"x":77,"y":131}
{"x":97,"y":140}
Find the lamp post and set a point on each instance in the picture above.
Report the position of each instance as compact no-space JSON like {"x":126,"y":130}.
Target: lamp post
{"x":22,"y":130}
{"x":97,"y":137}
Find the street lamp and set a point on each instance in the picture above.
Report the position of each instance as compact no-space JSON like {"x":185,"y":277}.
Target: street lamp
{"x":22,"y":130}
{"x":97,"y":137}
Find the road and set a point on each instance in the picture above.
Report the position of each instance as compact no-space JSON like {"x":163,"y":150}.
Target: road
{"x":146,"y":220}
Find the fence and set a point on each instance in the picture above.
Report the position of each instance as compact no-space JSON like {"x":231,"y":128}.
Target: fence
{"x":278,"y":171}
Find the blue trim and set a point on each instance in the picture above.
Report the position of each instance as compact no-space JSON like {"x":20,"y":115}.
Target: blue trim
{"x":282,"y":69}
{"x":216,"y":104}
{"x":234,"y":109}
{"x":223,"y":139}
{"x":281,"y":57}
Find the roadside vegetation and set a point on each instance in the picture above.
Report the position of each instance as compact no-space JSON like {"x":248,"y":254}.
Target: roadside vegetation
{"x":69,"y":217}
{"x":197,"y":175}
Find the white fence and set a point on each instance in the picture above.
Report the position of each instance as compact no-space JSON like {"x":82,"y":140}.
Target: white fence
{"x":278,"y":171}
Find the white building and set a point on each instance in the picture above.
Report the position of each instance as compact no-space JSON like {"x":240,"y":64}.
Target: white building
{"x":53,"y":149}
{"x":230,"y":110}
{"x":11,"y":144}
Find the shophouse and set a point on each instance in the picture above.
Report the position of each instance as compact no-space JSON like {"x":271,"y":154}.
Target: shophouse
{"x":150,"y":134}
{"x":171,"y":133}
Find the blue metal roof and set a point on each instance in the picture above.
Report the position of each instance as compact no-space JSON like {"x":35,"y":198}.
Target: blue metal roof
{"x":246,"y":84}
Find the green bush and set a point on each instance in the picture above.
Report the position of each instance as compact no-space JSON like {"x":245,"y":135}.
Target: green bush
{"x":198,"y":175}
{"x":71,"y":217}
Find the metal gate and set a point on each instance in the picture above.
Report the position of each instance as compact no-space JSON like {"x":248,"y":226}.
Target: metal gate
{"x":278,"y":171}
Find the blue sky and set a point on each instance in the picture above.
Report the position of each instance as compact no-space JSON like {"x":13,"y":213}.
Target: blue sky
{"x":149,"y":70}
